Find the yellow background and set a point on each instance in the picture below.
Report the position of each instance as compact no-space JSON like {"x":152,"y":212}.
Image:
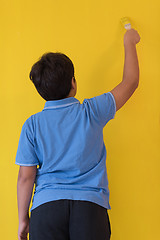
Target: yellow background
{"x":90,"y":33}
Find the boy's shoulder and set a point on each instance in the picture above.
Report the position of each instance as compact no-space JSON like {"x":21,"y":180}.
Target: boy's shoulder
{"x":31,"y":119}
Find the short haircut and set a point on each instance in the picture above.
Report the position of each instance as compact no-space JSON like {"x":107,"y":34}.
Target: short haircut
{"x":52,"y":76}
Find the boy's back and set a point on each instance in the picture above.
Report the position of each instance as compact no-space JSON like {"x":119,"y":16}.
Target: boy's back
{"x":66,"y":141}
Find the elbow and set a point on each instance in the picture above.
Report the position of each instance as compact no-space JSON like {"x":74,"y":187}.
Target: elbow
{"x":137,"y":80}
{"x":134,"y":85}
{"x":27,"y":174}
{"x":22,"y":179}
{"x":137,"y":83}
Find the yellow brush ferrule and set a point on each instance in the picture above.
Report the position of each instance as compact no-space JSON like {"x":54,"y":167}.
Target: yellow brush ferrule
{"x":126,"y":23}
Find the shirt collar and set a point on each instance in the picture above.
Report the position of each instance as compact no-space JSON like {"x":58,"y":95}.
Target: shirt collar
{"x":60,"y":103}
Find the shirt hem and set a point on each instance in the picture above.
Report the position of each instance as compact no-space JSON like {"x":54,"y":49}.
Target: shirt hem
{"x":49,"y":195}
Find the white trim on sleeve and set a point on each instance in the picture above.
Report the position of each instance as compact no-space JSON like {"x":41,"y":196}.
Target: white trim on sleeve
{"x":114,"y":102}
{"x":29,"y":165}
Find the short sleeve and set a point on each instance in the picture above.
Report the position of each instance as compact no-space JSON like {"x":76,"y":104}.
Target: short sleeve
{"x":26,"y":155}
{"x":102,"y":107}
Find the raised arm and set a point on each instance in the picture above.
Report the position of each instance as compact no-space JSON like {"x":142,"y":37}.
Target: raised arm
{"x":123,"y":91}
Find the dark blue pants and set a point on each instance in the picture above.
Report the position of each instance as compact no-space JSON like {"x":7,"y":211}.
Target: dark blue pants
{"x":69,"y":220}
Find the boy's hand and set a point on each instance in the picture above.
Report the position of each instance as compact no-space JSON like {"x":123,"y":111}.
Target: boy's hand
{"x":23,"y":230}
{"x":131,"y":36}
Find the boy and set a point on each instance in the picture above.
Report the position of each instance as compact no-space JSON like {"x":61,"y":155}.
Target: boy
{"x":65,"y":140}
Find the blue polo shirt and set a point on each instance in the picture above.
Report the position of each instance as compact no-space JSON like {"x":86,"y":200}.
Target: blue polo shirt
{"x":66,"y":141}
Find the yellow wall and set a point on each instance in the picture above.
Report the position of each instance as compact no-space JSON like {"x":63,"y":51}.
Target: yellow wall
{"x":90,"y":33}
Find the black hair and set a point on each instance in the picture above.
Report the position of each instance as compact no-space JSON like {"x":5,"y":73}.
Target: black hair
{"x":52,"y":76}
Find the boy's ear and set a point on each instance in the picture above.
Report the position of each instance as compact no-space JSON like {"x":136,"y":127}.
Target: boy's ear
{"x":73,"y":82}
